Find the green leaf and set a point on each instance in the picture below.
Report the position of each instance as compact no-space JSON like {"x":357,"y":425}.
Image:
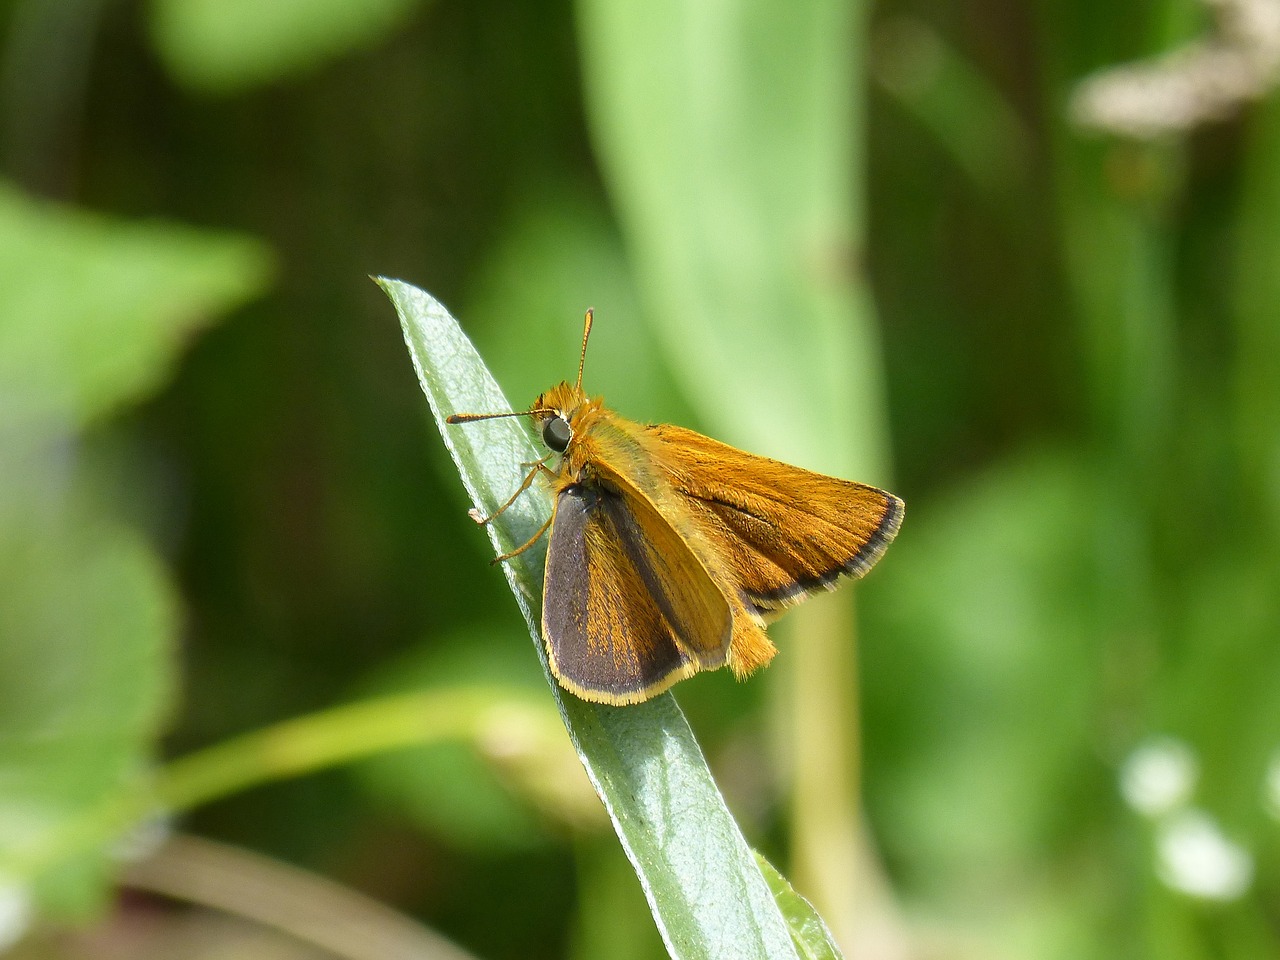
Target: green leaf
{"x":808,"y":931}
{"x":86,"y":622}
{"x":706,"y":892}
{"x":93,"y":311}
{"x":236,"y":44}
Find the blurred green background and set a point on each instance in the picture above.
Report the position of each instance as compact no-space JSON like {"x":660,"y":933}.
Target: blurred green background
{"x":877,"y":242}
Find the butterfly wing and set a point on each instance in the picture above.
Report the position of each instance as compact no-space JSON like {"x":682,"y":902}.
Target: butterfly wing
{"x":628,"y":609}
{"x":783,"y":531}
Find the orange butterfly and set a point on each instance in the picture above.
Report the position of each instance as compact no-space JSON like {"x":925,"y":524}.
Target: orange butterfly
{"x":668,"y":549}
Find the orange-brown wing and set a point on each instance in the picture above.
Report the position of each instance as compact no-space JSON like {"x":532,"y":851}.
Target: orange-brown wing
{"x":627,"y":609}
{"x":783,"y":531}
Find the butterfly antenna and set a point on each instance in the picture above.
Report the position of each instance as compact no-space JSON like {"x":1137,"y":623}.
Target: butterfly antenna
{"x":473,"y":417}
{"x":586,"y":332}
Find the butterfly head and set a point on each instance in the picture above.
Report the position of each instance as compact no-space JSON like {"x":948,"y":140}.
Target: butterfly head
{"x":556,"y":413}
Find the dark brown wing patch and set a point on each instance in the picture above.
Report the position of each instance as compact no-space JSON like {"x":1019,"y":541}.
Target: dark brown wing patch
{"x":607,"y":618}
{"x":784,"y":531}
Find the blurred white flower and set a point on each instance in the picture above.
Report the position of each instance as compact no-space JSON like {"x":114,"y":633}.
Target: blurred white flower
{"x":1159,"y":776}
{"x":1196,"y":859}
{"x":15,"y":913}
{"x":1201,"y":82}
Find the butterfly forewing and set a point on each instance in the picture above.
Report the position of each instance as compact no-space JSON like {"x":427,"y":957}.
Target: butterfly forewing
{"x":783,"y":531}
{"x":627,"y":608}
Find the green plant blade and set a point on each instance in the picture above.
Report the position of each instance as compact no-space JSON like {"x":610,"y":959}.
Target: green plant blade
{"x":812,"y":938}
{"x":704,"y":887}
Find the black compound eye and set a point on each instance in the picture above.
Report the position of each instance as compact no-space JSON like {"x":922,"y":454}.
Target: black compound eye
{"x":556,"y":434}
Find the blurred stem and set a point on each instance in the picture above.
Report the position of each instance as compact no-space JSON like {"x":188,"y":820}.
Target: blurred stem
{"x":1256,"y":293}
{"x":823,"y":744}
{"x":833,"y":862}
{"x":317,"y":911}
{"x":324,"y":739}
{"x":1112,"y":199}
{"x":289,"y":749}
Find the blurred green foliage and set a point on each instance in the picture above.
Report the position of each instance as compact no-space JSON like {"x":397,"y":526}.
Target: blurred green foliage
{"x":1066,"y":343}
{"x":94,"y":311}
{"x":230,"y":45}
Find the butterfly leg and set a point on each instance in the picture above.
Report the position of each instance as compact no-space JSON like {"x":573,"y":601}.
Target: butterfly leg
{"x":527,"y":544}
{"x":538,"y":466}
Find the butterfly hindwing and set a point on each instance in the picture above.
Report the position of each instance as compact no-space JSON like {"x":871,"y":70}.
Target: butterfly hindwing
{"x":627,"y":609}
{"x":783,"y":531}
